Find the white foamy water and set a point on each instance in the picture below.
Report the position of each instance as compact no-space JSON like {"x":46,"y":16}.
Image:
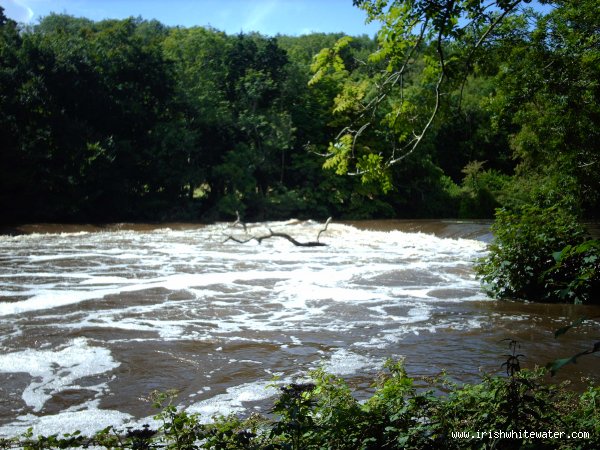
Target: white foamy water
{"x":92,"y":321}
{"x":54,"y":371}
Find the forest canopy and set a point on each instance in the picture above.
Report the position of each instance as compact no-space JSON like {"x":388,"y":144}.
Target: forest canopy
{"x":452,"y":110}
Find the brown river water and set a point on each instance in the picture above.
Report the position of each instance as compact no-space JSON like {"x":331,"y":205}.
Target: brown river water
{"x":93,"y":319}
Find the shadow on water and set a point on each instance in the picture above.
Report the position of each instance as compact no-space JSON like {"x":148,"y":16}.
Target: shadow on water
{"x":453,"y":229}
{"x":57,"y":228}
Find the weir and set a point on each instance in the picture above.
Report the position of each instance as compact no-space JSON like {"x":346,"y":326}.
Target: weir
{"x":93,"y":319}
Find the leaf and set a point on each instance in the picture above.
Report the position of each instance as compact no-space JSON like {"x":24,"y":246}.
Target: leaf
{"x":340,"y":152}
{"x":558,"y":256}
{"x":563,"y":330}
{"x":557,"y":364}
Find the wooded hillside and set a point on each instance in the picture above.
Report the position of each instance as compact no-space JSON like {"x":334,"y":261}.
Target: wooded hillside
{"x":132,"y":120}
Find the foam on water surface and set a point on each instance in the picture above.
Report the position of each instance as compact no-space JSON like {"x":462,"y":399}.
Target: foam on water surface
{"x":226,"y":314}
{"x":57,"y":370}
{"x":87,"y":419}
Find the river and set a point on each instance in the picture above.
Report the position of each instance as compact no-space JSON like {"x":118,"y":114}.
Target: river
{"x":93,"y":319}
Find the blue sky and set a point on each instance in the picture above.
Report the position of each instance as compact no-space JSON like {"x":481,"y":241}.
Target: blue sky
{"x":268,"y":17}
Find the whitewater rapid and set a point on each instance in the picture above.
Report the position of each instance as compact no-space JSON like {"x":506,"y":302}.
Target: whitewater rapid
{"x":93,"y":321}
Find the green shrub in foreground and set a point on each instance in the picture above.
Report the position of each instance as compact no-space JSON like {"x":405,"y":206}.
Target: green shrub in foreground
{"x":402,"y":413}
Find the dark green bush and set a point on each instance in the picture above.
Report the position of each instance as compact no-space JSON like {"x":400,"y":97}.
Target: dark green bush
{"x":575,"y":276}
{"x":541,"y":254}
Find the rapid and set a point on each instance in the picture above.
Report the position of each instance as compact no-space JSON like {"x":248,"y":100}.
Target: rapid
{"x":93,"y":319}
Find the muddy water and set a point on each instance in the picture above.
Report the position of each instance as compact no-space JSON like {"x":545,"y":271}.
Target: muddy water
{"x":92,"y":319}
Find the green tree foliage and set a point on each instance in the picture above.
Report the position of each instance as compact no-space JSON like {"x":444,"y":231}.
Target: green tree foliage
{"x":91,"y":98}
{"x":548,"y":98}
{"x":425,"y":52}
{"x":13,"y":73}
{"x":541,"y":254}
{"x":473,"y":85}
{"x":426,"y":85}
{"x":129,"y":119}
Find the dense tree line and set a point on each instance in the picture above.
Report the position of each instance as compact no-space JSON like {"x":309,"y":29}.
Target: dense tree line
{"x":133,"y":120}
{"x":502,"y":98}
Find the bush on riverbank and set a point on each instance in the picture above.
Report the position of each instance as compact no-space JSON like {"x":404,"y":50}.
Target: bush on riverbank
{"x":541,"y":254}
{"x":401,"y":413}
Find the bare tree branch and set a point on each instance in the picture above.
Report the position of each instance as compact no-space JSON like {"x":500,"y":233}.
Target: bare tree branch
{"x":286,"y":236}
{"x":411,"y":147}
{"x":396,"y":77}
{"x":238,"y":221}
{"x":324,"y":229}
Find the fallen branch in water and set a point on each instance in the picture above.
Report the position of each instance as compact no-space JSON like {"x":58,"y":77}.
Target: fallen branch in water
{"x":272,"y":233}
{"x":238,"y":221}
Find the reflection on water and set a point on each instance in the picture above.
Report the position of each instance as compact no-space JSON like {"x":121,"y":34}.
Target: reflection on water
{"x":94,"y":318}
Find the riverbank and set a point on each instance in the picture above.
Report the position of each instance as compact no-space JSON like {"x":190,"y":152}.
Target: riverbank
{"x":513,"y":412}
